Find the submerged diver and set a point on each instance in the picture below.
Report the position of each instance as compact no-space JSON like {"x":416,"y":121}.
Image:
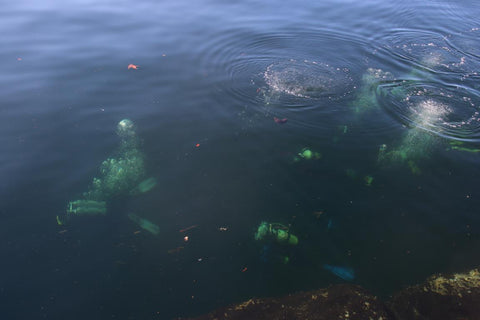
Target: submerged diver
{"x":277,"y":240}
{"x":119,"y":176}
{"x":277,"y":249}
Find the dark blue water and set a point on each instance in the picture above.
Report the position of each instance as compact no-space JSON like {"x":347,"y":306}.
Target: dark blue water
{"x":388,"y":91}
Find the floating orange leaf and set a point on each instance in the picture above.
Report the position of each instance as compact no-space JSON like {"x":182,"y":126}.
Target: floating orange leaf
{"x":132,"y":66}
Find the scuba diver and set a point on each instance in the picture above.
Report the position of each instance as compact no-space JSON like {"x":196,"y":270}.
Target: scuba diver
{"x":278,"y":241}
{"x":122,"y":175}
{"x":278,"y":244}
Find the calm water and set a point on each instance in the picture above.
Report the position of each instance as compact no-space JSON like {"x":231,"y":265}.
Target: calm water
{"x":383,"y":91}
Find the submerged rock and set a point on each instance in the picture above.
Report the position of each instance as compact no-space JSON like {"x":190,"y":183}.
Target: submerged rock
{"x":439,"y":297}
{"x":335,"y":302}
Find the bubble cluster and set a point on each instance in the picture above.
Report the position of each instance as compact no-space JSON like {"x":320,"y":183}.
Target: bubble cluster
{"x":309,"y":79}
{"x":448,"y":111}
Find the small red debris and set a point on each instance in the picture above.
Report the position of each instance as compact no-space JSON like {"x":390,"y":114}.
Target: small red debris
{"x":244,"y":269}
{"x":132,"y":66}
{"x":280,"y":121}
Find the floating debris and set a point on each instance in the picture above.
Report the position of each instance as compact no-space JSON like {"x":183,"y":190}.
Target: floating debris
{"x":189,"y":228}
{"x":280,"y":121}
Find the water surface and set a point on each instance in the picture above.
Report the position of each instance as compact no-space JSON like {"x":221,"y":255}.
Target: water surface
{"x":382,"y":91}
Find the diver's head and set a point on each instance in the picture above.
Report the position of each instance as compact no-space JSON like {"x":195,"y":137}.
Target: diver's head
{"x":126,"y":129}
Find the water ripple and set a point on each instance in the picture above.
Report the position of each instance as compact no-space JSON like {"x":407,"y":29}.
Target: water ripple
{"x":467,"y":42}
{"x":308,"y":79}
{"x":448,"y":111}
{"x":287,"y":71}
{"x":428,"y":51}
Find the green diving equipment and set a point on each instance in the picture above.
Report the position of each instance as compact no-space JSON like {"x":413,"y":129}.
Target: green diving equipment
{"x":307,"y":154}
{"x":144,"y":223}
{"x":87,"y":207}
{"x":277,"y":232}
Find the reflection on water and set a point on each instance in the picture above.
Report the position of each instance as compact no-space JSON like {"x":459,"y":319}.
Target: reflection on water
{"x":357,"y":135}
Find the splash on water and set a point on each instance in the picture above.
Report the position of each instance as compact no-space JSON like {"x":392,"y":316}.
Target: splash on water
{"x":308,"y":79}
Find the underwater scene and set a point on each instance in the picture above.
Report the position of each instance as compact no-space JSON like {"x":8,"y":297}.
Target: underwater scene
{"x":163,"y":159}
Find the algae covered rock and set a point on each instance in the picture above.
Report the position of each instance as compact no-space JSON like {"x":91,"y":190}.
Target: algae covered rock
{"x":335,"y":302}
{"x":441,"y":297}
